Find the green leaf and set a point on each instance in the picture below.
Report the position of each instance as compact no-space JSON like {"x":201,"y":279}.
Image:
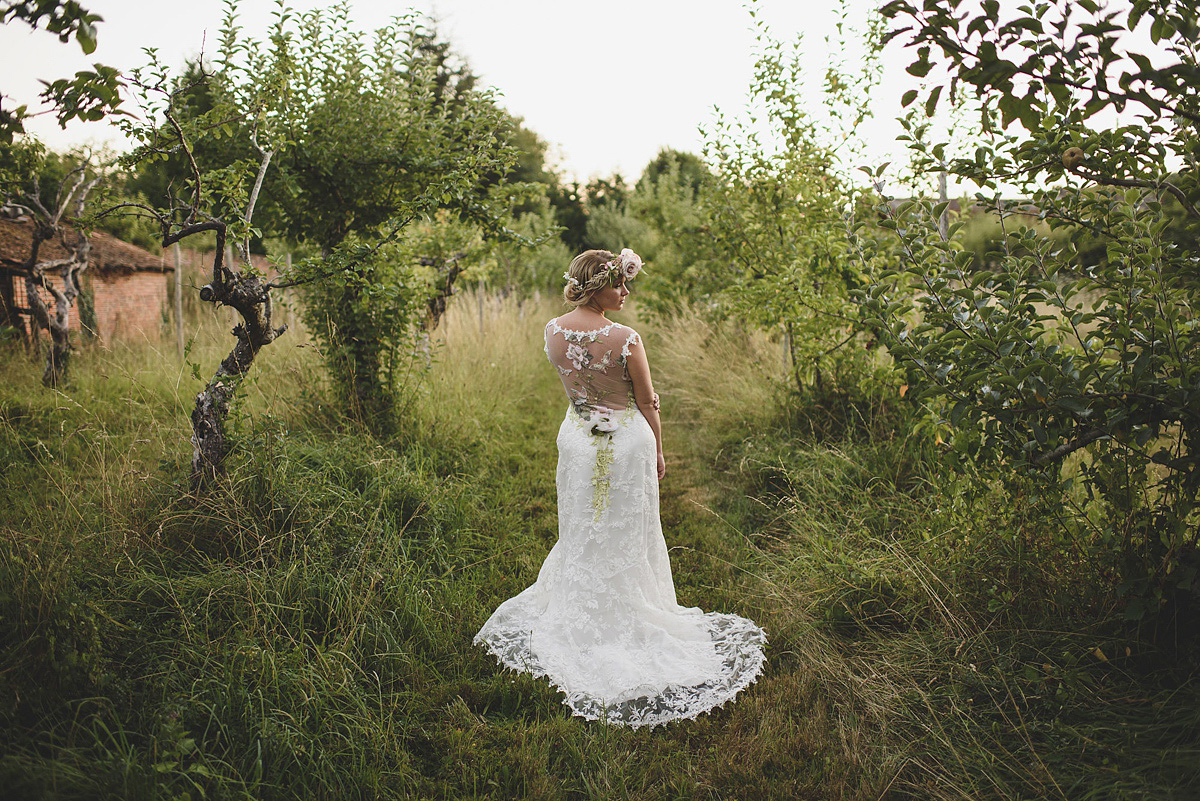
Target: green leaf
{"x":932,"y":101}
{"x":1161,"y":29}
{"x":921,"y":67}
{"x":1074,"y":404}
{"x":1135,"y":610}
{"x":86,"y":36}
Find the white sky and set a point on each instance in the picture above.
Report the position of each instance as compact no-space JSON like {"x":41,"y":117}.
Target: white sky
{"x":655,"y":68}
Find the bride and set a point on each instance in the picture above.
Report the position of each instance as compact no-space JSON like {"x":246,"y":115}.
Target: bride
{"x":601,"y":621}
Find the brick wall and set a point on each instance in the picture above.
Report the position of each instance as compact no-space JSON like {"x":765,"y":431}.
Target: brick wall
{"x":128,"y":284}
{"x":128,"y":304}
{"x":132,"y":303}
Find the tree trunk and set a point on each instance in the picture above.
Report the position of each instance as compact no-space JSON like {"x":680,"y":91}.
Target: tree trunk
{"x":58,"y":325}
{"x":246,"y":293}
{"x":448,"y":272}
{"x":47,"y":225}
{"x":357,"y":358}
{"x":58,"y":357}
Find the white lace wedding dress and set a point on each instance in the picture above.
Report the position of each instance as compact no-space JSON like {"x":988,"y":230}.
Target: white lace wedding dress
{"x":601,"y":622}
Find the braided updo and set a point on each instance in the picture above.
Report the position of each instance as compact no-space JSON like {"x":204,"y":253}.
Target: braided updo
{"x":588,"y":273}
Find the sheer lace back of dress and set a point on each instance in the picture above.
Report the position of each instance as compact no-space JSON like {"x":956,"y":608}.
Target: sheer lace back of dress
{"x":592,"y":365}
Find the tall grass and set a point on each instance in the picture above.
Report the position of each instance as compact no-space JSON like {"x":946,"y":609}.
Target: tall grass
{"x":963,"y":657}
{"x":303,"y":630}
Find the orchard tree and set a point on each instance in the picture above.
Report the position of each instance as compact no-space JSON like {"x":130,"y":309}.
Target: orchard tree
{"x":196,"y":92}
{"x":385,"y":132}
{"x":89,"y":95}
{"x":392,"y":154}
{"x":51,"y":212}
{"x":219,"y":199}
{"x":610,"y":226}
{"x":1085,"y":375}
{"x":668,"y":201}
{"x":775,"y":210}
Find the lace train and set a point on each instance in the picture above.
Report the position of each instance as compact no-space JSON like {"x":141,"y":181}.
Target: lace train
{"x":601,"y":622}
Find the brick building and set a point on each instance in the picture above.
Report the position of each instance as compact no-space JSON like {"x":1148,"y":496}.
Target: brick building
{"x":128,"y":284}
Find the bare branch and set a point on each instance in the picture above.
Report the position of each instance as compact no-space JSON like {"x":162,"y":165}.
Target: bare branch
{"x":57,"y":264}
{"x":81,"y":197}
{"x":194,"y":228}
{"x":61,"y":201}
{"x":35,"y":199}
{"x":191,"y":162}
{"x":149,"y":212}
{"x":258,"y":182}
{"x":1067,"y":448}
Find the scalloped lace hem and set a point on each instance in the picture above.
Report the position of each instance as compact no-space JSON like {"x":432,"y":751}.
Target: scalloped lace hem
{"x":739,"y":643}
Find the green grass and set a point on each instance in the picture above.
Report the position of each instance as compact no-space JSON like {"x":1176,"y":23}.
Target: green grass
{"x":303,"y":630}
{"x":968,"y":642}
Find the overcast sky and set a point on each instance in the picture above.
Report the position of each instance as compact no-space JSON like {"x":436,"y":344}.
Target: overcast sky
{"x":559,"y":64}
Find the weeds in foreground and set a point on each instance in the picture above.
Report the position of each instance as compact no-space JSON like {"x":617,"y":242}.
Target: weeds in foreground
{"x":304,"y":630}
{"x":978,"y":648}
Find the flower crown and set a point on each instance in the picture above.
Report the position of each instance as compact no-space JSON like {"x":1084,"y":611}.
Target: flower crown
{"x":625,"y":266}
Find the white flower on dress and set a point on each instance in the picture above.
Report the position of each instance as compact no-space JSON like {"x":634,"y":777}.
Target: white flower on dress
{"x":602,"y":420}
{"x":578,"y":355}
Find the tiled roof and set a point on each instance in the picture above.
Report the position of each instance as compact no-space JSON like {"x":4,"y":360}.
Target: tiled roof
{"x":108,"y":253}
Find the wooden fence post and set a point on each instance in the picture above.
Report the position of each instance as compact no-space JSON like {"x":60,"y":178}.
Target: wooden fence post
{"x":178,"y":299}
{"x":289,"y":295}
{"x":479,"y":295}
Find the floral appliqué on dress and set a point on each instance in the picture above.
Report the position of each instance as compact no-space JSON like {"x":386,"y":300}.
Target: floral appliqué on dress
{"x":600,"y":399}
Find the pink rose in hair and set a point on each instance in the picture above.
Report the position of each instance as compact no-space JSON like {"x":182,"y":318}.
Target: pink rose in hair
{"x":630,"y":263}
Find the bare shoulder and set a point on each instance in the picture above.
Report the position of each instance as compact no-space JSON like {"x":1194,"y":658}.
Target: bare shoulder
{"x":625,"y":332}
{"x":577,"y":320}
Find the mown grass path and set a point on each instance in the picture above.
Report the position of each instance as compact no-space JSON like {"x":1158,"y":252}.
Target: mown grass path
{"x":778,"y":740}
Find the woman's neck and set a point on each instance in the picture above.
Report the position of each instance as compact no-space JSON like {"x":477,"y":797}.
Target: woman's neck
{"x":592,"y":311}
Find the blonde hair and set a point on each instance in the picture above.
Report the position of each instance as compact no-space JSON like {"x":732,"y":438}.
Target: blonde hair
{"x":588,"y":274}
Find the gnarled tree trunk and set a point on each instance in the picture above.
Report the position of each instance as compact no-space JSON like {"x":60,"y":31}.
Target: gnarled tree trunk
{"x":47,"y":225}
{"x":58,"y":323}
{"x":448,"y":271}
{"x":251,"y":297}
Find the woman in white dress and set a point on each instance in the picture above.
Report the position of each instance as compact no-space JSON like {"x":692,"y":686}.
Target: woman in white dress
{"x":601,"y":621}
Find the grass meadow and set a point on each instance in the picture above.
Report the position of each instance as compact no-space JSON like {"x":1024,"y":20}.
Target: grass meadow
{"x":303,"y":630}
